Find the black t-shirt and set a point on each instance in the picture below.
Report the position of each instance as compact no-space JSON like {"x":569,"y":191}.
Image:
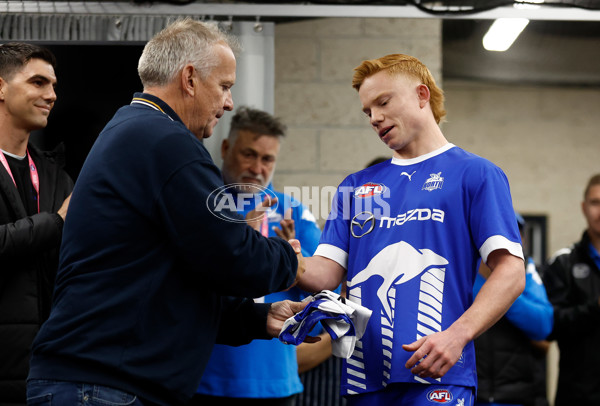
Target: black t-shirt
{"x":22,"y":177}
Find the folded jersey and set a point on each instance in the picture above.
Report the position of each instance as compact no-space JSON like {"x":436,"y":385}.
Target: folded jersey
{"x":344,"y":320}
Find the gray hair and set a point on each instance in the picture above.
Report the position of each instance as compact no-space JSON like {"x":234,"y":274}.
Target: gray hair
{"x":256,"y":121}
{"x":183,"y":41}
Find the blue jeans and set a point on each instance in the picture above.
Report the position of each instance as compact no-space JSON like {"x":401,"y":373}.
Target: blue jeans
{"x":59,"y":393}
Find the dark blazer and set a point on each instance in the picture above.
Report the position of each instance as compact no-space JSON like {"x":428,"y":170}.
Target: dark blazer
{"x":28,"y":262}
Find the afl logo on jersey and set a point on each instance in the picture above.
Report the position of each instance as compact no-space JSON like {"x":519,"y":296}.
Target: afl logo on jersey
{"x":368,"y":190}
{"x":439,"y":396}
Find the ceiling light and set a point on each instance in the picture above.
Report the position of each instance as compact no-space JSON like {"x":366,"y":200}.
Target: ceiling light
{"x":503,"y":32}
{"x":528,"y":4}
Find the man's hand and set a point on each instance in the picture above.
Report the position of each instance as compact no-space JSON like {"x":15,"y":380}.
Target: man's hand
{"x":301,"y":264}
{"x":63,"y":209}
{"x":435,"y":354}
{"x":288,"y":228}
{"x":280,"y":312}
{"x":254,"y":218}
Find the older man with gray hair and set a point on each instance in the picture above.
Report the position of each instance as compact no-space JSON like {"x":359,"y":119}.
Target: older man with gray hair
{"x":150,"y":261}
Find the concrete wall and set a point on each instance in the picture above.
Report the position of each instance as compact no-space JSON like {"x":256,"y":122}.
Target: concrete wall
{"x":544,"y":138}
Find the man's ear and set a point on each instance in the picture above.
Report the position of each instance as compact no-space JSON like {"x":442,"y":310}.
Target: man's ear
{"x":423,"y":94}
{"x":2,"y":84}
{"x":224,"y":148}
{"x":189,"y":79}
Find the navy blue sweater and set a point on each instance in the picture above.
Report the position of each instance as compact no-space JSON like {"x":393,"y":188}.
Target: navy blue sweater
{"x":146,"y":268}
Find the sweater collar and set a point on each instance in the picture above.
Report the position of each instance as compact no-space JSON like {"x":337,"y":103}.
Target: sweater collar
{"x":150,"y":101}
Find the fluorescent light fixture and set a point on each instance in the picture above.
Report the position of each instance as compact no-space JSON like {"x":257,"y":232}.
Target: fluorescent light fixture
{"x":503,"y":32}
{"x":527,"y":4}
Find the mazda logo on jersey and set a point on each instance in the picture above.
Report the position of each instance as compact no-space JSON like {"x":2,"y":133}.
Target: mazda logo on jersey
{"x":362,"y":224}
{"x":368,"y":190}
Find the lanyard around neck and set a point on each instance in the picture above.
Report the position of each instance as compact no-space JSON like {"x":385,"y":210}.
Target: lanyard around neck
{"x":35,"y":179}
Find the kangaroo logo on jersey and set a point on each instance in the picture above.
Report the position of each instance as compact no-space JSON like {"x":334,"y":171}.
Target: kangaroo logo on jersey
{"x":368,"y":190}
{"x":391,"y":267}
{"x":397,"y":263}
{"x":439,"y":396}
{"x":435,"y":181}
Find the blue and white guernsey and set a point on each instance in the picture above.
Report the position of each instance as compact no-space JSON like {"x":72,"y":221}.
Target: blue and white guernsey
{"x":409,"y":233}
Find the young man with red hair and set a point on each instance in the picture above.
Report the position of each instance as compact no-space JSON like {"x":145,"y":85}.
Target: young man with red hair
{"x":406,"y":234}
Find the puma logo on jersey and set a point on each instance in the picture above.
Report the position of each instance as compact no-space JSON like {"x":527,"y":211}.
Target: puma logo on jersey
{"x":407,"y":175}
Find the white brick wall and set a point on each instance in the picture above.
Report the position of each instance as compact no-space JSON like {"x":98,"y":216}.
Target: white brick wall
{"x":544,"y":138}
